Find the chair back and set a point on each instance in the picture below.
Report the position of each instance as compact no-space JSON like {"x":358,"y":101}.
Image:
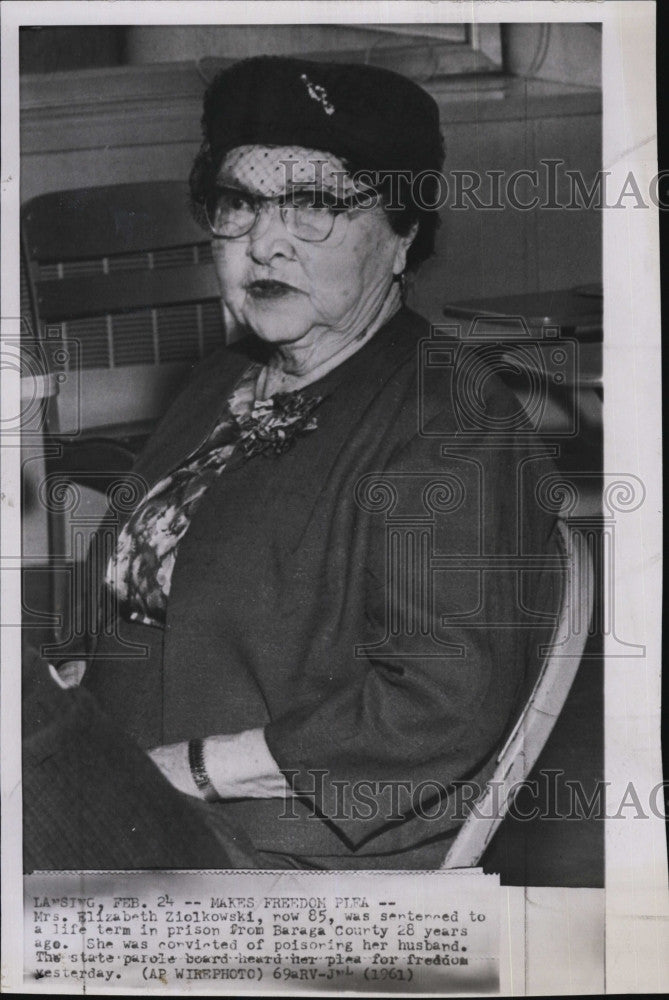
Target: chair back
{"x":123,"y":277}
{"x":540,"y":713}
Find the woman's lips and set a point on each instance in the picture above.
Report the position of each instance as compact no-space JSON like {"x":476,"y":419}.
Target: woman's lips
{"x":266,"y":288}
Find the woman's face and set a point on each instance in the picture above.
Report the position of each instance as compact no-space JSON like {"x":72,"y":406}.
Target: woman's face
{"x":287,"y":290}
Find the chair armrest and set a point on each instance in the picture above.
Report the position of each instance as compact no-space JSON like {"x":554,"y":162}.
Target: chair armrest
{"x":92,"y":461}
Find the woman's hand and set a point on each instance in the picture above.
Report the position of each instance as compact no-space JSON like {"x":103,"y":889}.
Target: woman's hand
{"x":239,"y":766}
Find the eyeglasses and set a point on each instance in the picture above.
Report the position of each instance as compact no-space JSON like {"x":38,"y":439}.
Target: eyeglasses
{"x":306,"y":213}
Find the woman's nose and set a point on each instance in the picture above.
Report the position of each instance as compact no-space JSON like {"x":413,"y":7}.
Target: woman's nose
{"x":269,"y":237}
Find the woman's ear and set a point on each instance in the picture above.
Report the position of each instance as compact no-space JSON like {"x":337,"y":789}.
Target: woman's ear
{"x":403,"y":244}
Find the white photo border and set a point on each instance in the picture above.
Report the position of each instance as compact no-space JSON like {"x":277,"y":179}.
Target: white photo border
{"x":636,"y":900}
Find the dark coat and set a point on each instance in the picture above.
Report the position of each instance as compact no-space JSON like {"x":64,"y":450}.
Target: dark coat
{"x":356,"y":597}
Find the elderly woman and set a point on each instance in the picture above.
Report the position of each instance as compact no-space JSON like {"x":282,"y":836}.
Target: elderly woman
{"x":286,"y":645}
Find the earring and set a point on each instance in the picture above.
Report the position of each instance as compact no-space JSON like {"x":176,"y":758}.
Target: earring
{"x":402,"y":278}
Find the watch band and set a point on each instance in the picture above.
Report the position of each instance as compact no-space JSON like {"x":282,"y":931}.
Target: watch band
{"x":199,"y":771}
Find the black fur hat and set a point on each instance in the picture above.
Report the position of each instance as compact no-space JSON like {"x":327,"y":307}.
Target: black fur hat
{"x":373,"y":119}
{"x":370,"y":117}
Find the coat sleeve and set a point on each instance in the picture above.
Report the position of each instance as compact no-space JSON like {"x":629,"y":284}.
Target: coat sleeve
{"x":453,"y":624}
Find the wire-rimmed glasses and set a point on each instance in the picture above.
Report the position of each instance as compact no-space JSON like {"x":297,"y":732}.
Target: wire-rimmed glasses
{"x":307,"y":213}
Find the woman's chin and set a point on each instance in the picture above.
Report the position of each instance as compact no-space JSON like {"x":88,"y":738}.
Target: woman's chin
{"x":277,"y":328}
{"x":277,"y":322}
{"x":277,"y":334}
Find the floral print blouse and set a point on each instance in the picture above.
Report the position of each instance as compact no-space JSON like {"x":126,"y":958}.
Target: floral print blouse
{"x":140,"y":571}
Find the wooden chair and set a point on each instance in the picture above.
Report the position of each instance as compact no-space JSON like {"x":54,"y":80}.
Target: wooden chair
{"x":122,"y":277}
{"x":534,"y":726}
{"x":122,"y":298}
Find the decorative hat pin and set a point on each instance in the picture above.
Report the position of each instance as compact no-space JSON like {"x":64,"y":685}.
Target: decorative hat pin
{"x":318,"y":93}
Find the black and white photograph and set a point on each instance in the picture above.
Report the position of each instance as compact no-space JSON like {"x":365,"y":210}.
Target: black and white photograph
{"x":327,"y":471}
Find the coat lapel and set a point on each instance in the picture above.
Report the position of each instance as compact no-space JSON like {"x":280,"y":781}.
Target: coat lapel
{"x":192,"y":417}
